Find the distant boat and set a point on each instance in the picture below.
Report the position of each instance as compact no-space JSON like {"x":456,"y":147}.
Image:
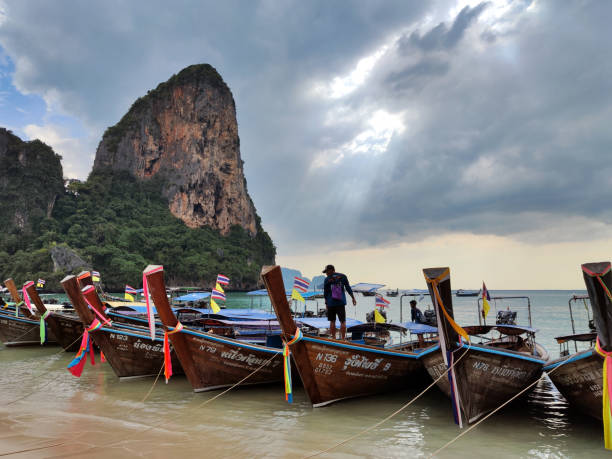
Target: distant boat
{"x":366,"y":289}
{"x":392,"y":293}
{"x":462,"y":292}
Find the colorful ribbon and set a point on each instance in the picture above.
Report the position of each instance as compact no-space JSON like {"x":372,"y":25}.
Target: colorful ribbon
{"x":43,"y":326}
{"x":287,"y":364}
{"x":78,"y":363}
{"x":87,"y":289}
{"x":434,"y":284}
{"x":26,"y":297}
{"x":145,"y":291}
{"x":607,"y":394}
{"x":167,"y":358}
{"x":452,"y":377}
{"x":17,"y":306}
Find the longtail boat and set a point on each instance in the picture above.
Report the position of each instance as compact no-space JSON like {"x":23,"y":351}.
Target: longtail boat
{"x":579,"y":375}
{"x":67,"y":328}
{"x":332,"y":369}
{"x":212,"y":361}
{"x":482,"y":375}
{"x":19,"y":326}
{"x":129,"y":350}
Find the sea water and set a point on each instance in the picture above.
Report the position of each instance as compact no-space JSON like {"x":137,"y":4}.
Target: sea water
{"x":50,"y":413}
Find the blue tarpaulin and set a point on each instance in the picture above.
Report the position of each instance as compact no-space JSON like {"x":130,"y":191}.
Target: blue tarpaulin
{"x":418,"y":329}
{"x":322,"y":322}
{"x":195,"y":296}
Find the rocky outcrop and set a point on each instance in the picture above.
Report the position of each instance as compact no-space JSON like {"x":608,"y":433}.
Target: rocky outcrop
{"x":185,"y":132}
{"x":30,"y":182}
{"x":67,"y":260}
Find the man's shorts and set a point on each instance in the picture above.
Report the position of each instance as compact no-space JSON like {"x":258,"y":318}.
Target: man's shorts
{"x":333,"y":311}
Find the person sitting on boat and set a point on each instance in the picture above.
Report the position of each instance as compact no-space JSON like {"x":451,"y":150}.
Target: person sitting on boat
{"x":335,"y":299}
{"x":415,"y":313}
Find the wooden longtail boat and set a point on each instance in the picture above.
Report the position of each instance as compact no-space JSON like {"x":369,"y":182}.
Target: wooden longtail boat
{"x":129,"y":350}
{"x":333,"y":370}
{"x":19,"y":327}
{"x":211,"y":361}
{"x":484,"y":375}
{"x":67,"y":328}
{"x":579,"y":376}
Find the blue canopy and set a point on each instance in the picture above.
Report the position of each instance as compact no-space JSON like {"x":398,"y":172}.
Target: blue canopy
{"x":418,"y":329}
{"x":195,"y":296}
{"x":322,"y":322}
{"x":311,"y":294}
{"x":261,"y":292}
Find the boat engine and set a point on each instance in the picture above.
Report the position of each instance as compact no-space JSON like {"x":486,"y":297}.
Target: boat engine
{"x":506,"y":318}
{"x":592,"y":325}
{"x":370,"y":315}
{"x":429,"y":318}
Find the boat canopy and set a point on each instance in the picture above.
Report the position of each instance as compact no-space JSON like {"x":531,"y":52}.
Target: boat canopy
{"x":307,"y":295}
{"x":374,"y":327}
{"x":585,"y":337}
{"x":195,"y":296}
{"x":322,"y":322}
{"x":503,"y":329}
{"x":260,"y":292}
{"x":365,"y":287}
{"x":419,"y":329}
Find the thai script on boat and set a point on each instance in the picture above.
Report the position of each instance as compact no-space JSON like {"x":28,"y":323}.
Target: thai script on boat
{"x":240,"y":357}
{"x":579,"y":378}
{"x":437,"y":370}
{"x":147,"y":347}
{"x":361,"y":361}
{"x":505,"y":372}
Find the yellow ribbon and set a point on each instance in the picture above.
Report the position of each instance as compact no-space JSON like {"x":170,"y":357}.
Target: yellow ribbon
{"x":434,"y":284}
{"x":606,"y":388}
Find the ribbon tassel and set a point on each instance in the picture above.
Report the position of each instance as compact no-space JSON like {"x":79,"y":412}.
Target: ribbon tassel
{"x":145,"y":292}
{"x":43,"y":327}
{"x":607,"y":394}
{"x":78,"y":363}
{"x":287,"y":364}
{"x":167,"y":356}
{"x":26,"y":297}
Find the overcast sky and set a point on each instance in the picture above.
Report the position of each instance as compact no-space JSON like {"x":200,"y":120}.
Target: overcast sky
{"x":383,"y":136}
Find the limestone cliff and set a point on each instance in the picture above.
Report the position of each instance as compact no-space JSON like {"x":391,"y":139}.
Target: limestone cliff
{"x":30,"y":182}
{"x":185,"y":132}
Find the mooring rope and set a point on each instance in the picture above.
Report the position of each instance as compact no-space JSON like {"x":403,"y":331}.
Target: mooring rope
{"x":204,"y":403}
{"x":396,"y":412}
{"x":495,"y":410}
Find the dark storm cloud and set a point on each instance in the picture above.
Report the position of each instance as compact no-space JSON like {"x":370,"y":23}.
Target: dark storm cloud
{"x":442,"y":36}
{"x":505,"y":111}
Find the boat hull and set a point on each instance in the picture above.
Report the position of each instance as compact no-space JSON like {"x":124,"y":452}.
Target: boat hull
{"x":489,"y":377}
{"x":21,"y":331}
{"x":67,"y":330}
{"x":335,"y":370}
{"x":579,"y":378}
{"x":133,"y":354}
{"x":222,"y":362}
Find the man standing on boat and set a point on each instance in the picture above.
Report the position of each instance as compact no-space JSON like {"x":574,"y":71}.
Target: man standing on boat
{"x":335,"y":299}
{"x":415,"y":313}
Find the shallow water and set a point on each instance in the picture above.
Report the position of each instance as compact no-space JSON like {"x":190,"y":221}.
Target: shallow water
{"x":98,"y":416}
